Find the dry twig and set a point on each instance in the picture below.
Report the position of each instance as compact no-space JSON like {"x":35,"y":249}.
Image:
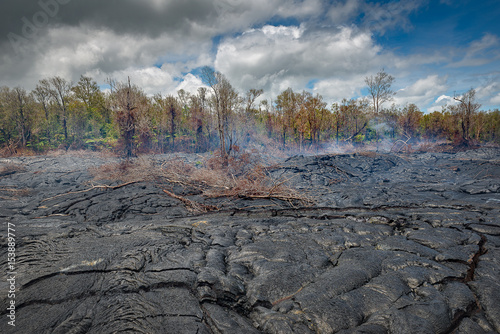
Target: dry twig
{"x":192,"y":205}
{"x":89,"y":189}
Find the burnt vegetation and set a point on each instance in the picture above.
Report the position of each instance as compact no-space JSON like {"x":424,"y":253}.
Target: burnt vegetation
{"x":239,"y":176}
{"x":59,"y":114}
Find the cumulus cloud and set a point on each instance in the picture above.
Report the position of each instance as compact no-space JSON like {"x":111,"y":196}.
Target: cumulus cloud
{"x":146,"y":17}
{"x":423,"y":91}
{"x":270,"y":56}
{"x":72,"y":51}
{"x":440,"y":102}
{"x":190,"y":84}
{"x":300,"y":9}
{"x":328,"y":47}
{"x":95,"y":36}
{"x":336,"y":89}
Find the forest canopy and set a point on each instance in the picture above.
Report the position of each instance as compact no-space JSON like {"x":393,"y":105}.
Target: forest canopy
{"x":61,"y":114}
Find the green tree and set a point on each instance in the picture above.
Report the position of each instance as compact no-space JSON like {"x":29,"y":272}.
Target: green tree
{"x":88,"y":92}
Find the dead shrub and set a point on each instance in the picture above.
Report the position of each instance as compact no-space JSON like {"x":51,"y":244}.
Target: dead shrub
{"x":237,"y":163}
{"x":243,"y":177}
{"x":257,"y":184}
{"x":140,"y":169}
{"x":107,"y":153}
{"x":16,"y":152}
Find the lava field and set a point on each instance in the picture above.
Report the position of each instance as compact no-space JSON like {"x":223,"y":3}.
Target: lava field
{"x":389,"y":243}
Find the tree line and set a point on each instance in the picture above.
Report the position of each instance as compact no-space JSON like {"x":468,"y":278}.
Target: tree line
{"x":60,"y":114}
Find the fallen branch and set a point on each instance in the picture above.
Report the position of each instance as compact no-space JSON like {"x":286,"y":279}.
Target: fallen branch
{"x":92,"y":188}
{"x":404,"y":145}
{"x":357,"y":133}
{"x":286,"y":198}
{"x":277,"y":185}
{"x":192,"y":205}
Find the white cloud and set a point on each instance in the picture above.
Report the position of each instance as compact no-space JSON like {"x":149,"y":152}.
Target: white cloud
{"x":342,"y":12}
{"x":190,"y":84}
{"x":488,"y":90}
{"x":480,"y":52}
{"x":336,"y":89}
{"x":151,"y":79}
{"x":374,"y":16}
{"x":444,"y":98}
{"x":440,"y":102}
{"x":69,"y":52}
{"x":300,"y":9}
{"x":156,"y":42}
{"x":496,"y":100}
{"x":273,"y":57}
{"x":423,"y":91}
{"x":488,"y":94}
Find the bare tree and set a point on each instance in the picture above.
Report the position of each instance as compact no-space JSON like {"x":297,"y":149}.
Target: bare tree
{"x":379,"y":87}
{"x":20,"y":104}
{"x":42,"y":96}
{"x":252,"y":95}
{"x":200,"y":118}
{"x":173,"y":111}
{"x":60,"y":90}
{"x":465,"y":110}
{"x":338,"y":113}
{"x":126,"y":100}
{"x":225,"y":99}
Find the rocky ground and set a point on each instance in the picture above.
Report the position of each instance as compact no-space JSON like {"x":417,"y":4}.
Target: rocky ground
{"x":393,"y":244}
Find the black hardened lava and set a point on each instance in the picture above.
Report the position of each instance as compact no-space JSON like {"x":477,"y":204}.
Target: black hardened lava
{"x":385,"y":244}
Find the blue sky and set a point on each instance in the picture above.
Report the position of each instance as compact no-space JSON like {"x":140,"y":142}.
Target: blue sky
{"x":434,"y":49}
